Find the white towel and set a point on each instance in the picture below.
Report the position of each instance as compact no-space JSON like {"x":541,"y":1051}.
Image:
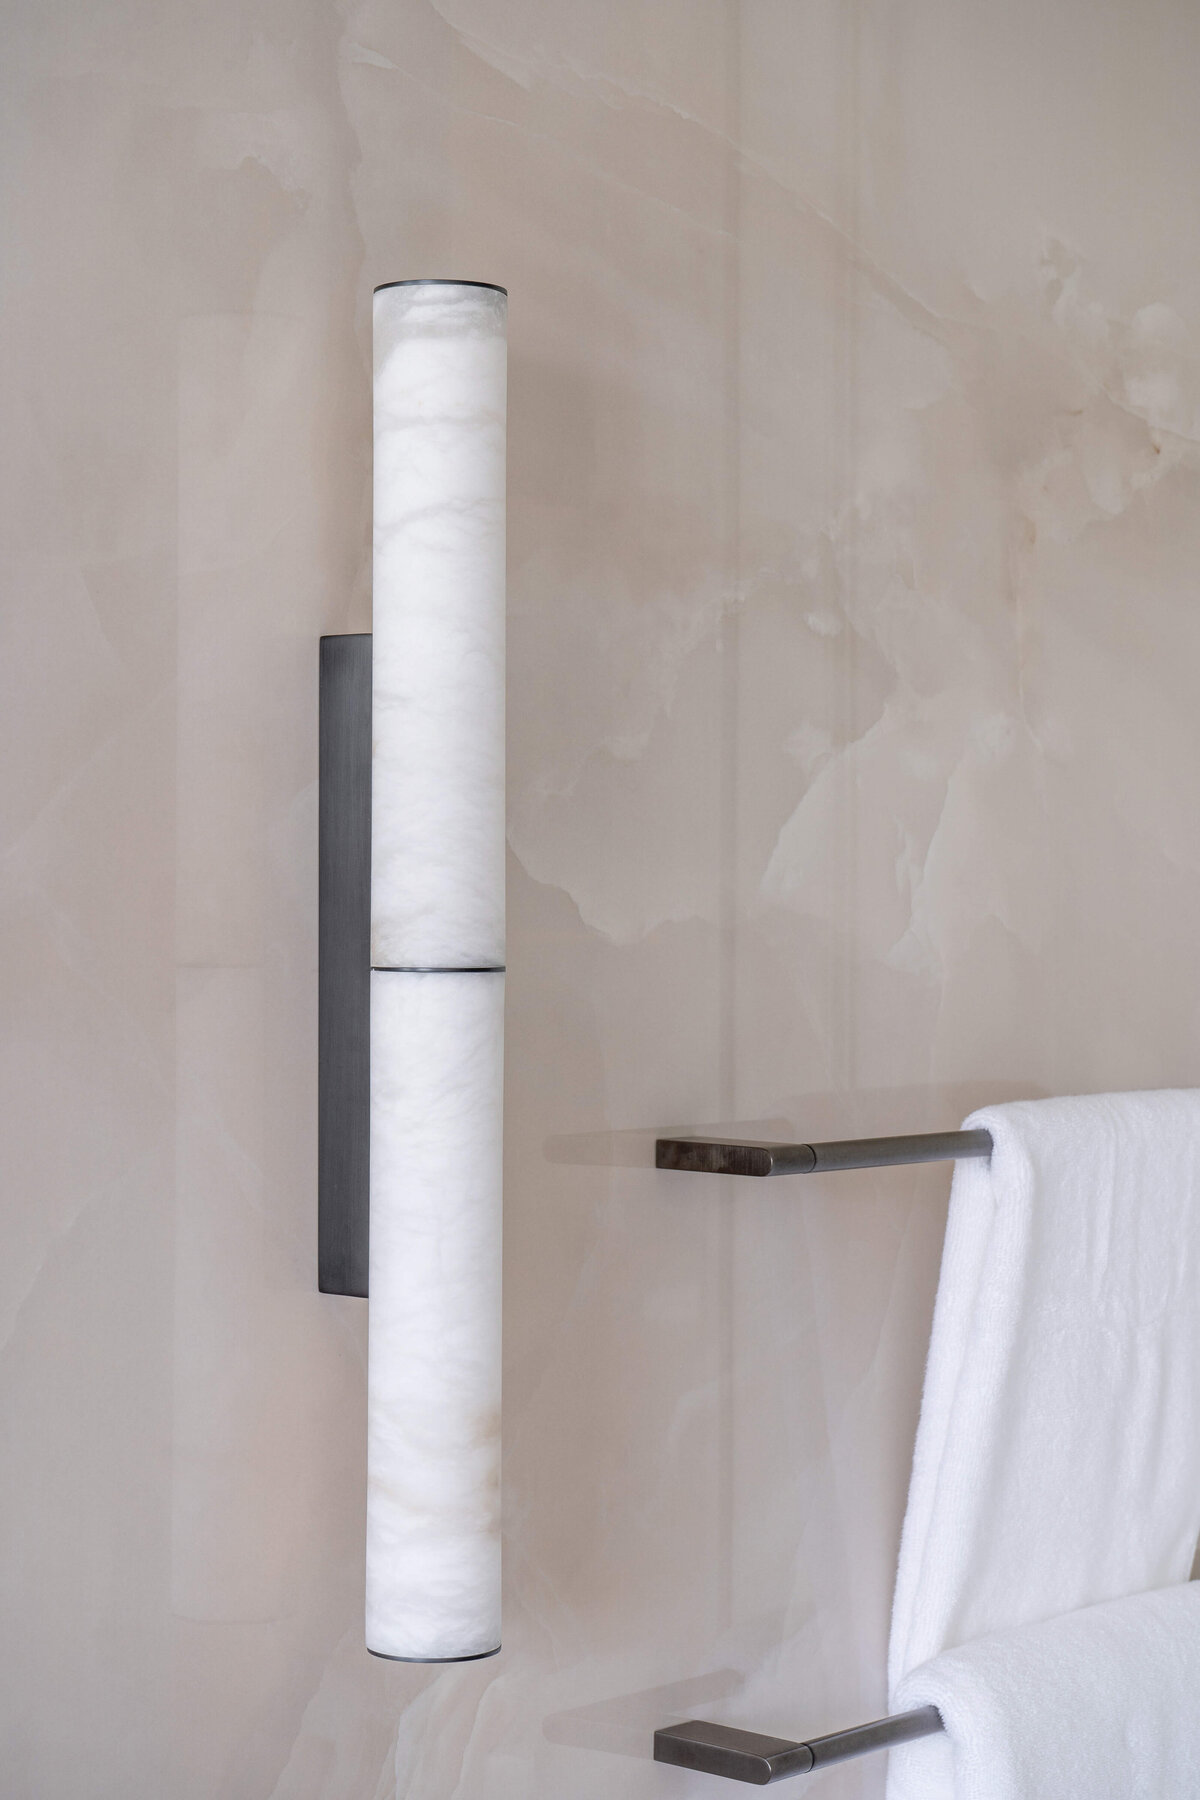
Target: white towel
{"x":1099,"y":1705}
{"x":1057,"y":1461}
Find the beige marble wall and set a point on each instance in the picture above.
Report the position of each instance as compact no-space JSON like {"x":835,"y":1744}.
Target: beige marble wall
{"x":855,"y":554}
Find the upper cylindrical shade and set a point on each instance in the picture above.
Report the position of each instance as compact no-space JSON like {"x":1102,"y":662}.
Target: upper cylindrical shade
{"x":433,"y":1402}
{"x":437,"y":884}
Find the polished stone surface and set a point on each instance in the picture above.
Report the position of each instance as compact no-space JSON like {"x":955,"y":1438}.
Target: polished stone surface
{"x":438,"y":625}
{"x":434,"y":1334}
{"x":854,"y":412}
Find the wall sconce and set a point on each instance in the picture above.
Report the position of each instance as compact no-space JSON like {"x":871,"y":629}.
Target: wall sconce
{"x":412,"y":971}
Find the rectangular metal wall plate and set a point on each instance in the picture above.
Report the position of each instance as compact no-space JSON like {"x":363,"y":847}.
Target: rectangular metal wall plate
{"x":344,"y":966}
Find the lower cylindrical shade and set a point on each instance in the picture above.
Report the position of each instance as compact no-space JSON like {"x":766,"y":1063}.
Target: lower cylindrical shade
{"x":433,"y":1456}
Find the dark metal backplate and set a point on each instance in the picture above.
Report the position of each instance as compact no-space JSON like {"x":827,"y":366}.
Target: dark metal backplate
{"x":344,"y":966}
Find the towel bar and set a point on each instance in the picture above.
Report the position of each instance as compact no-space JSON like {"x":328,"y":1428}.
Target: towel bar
{"x":714,"y":1156}
{"x":749,"y":1756}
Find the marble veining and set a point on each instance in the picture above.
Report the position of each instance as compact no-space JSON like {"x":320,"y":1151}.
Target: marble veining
{"x":437,"y":881}
{"x":853,"y":513}
{"x":433,"y":1368}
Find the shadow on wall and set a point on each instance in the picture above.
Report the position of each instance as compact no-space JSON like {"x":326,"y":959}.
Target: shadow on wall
{"x":811,"y":1118}
{"x":626,"y":1723}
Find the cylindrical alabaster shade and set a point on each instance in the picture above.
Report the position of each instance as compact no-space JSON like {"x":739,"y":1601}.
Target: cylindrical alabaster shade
{"x":437,"y":987}
{"x":437,"y":899}
{"x":433,"y":1474}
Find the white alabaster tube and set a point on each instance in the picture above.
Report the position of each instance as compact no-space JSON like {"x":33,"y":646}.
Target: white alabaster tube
{"x":437,"y":993}
{"x":433,"y":1459}
{"x":438,"y":773}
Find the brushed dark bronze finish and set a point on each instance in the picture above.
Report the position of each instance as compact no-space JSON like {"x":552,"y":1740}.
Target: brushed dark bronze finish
{"x":749,"y":1756}
{"x":715,"y":1156}
{"x":344,"y":965}
{"x":738,"y":1755}
{"x":880,"y":1734}
{"x":441,"y":281}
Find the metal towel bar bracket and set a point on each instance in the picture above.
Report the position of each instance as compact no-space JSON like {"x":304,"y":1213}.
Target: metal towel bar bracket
{"x":749,"y":1756}
{"x":715,"y":1156}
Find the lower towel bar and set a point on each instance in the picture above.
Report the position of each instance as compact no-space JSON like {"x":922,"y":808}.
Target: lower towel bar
{"x":749,"y":1756}
{"x":714,"y":1156}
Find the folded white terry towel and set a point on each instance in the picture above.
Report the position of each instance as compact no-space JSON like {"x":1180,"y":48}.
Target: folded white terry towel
{"x":1057,"y":1461}
{"x":1099,"y":1705}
